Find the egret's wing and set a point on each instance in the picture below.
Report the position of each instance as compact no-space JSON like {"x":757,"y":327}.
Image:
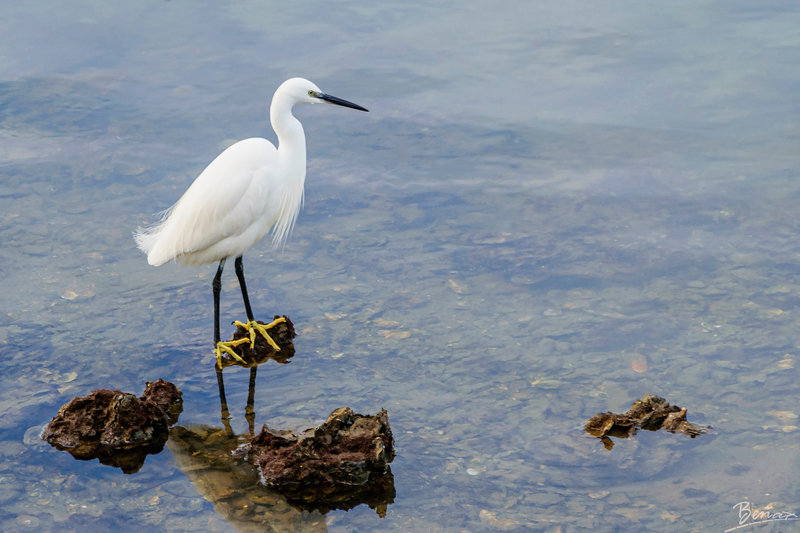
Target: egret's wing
{"x":224,"y":200}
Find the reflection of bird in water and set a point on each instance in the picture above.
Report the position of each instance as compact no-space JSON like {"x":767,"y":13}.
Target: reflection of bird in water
{"x":233,"y":486}
{"x":236,"y":487}
{"x":204,"y":454}
{"x":248,"y":190}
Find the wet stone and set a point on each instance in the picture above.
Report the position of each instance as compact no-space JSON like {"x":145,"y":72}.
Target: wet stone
{"x":115,"y":427}
{"x":339,"y":464}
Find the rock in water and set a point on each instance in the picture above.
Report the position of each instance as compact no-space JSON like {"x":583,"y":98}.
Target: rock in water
{"x":342,"y":463}
{"x":116,"y":427}
{"x":651,"y":413}
{"x":346,"y":449}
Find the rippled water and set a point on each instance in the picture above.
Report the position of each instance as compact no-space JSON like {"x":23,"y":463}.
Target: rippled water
{"x":543,"y":196}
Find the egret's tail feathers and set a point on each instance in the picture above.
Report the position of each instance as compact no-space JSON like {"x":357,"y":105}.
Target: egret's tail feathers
{"x":147,"y":241}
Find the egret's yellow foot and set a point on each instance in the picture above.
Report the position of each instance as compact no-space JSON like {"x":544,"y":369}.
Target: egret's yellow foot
{"x":252,"y":327}
{"x":226,"y":347}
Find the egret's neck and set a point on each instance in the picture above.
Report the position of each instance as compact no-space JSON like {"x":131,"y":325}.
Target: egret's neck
{"x":291,"y":139}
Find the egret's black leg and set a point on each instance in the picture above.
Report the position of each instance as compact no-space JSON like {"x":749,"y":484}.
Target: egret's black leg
{"x":219,"y":346}
{"x":216,"y":285}
{"x":240,"y":274}
{"x":252,"y":326}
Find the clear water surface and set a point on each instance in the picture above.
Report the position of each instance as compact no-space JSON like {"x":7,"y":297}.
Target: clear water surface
{"x":552,"y":209}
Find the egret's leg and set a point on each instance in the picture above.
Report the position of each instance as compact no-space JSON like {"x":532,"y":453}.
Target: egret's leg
{"x":216,"y":286}
{"x":237,"y":265}
{"x":252,"y":326}
{"x":219,"y":346}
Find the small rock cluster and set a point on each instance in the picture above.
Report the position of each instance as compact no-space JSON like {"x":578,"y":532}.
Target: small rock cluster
{"x":651,"y":413}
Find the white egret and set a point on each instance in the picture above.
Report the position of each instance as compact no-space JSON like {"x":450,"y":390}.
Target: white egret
{"x":248,"y":190}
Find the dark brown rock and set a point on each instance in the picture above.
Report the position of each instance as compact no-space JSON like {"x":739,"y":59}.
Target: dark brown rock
{"x":345,"y":459}
{"x":166,"y":396}
{"x":116,"y":427}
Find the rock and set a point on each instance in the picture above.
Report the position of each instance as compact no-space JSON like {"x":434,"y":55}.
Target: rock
{"x":339,"y":464}
{"x":651,"y":413}
{"x":165,"y":395}
{"x":116,"y":427}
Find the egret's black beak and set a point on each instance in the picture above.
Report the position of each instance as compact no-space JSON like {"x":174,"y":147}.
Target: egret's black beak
{"x":338,"y":101}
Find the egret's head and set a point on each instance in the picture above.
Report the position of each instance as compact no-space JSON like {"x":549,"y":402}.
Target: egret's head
{"x":303,"y":91}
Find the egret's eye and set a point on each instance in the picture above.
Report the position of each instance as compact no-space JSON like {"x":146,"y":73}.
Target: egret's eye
{"x":311,"y":94}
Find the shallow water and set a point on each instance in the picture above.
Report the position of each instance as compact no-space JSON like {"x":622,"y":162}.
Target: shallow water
{"x":541,"y":197}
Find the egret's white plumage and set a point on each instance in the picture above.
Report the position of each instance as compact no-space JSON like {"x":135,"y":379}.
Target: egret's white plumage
{"x":248,"y":190}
